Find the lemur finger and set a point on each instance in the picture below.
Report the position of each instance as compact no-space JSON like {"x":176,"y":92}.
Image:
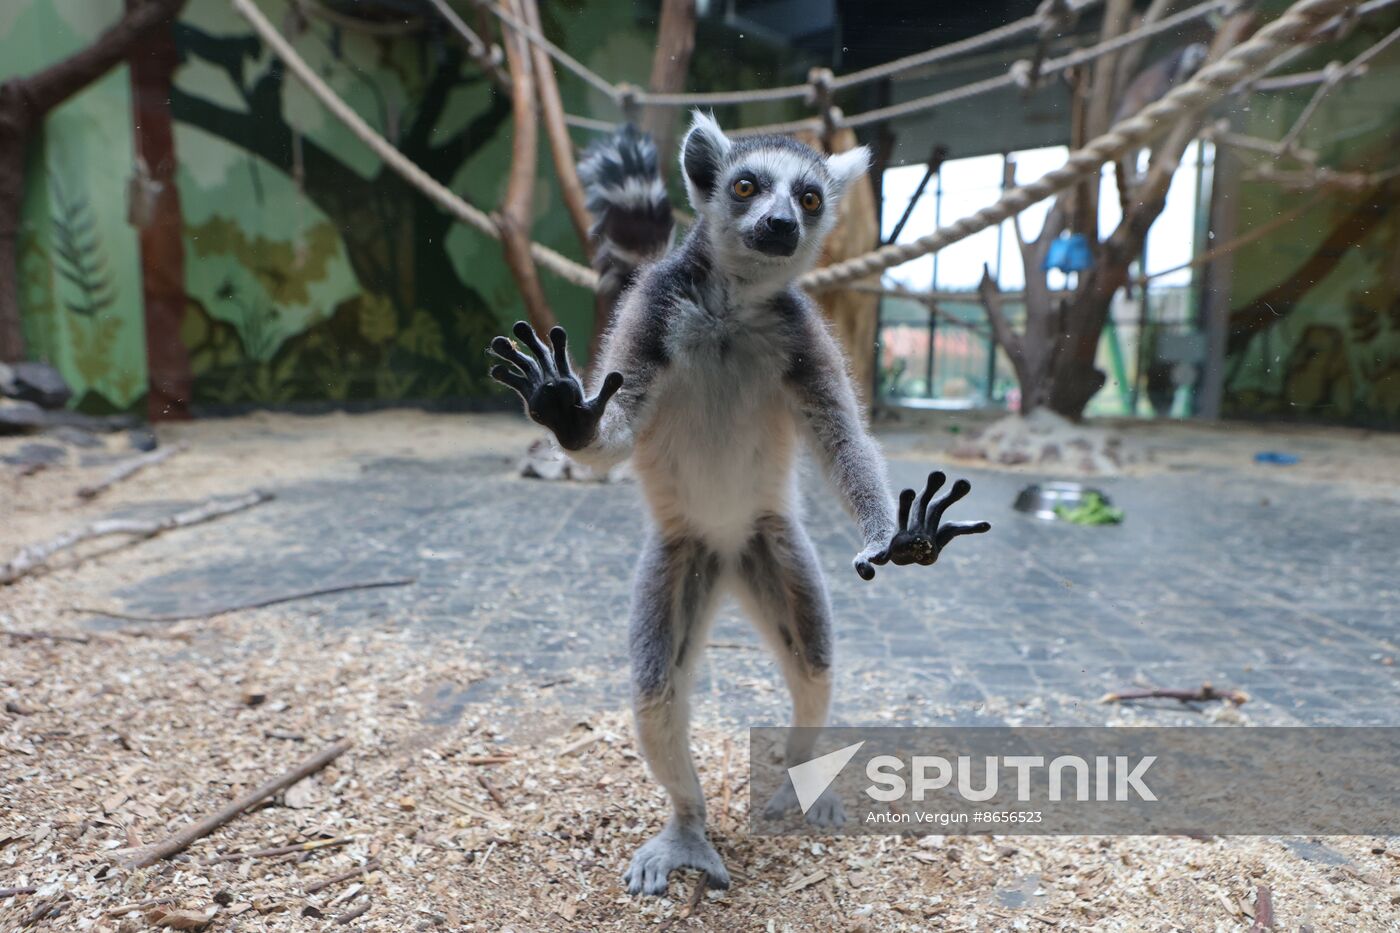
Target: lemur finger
{"x":906,"y":501}
{"x":936,"y":479}
{"x":560,"y":340}
{"x":940,"y":505}
{"x":526,"y":335}
{"x":507,"y":376}
{"x":505,"y":351}
{"x":957,"y":529}
{"x":611,"y":383}
{"x":863,"y":568}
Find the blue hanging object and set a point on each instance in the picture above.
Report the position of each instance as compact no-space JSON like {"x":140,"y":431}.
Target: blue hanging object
{"x":1069,"y":253}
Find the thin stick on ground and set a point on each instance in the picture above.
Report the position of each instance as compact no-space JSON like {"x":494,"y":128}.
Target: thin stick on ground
{"x":127,"y":469}
{"x":35,"y":558}
{"x":1205,"y":694}
{"x":354,"y":914}
{"x":48,"y":636}
{"x":260,"y":603}
{"x":490,"y":788}
{"x":282,"y":850}
{"x":1263,"y":909}
{"x":181,"y":840}
{"x":724,"y":784}
{"x":324,"y":883}
{"x":11,"y":892}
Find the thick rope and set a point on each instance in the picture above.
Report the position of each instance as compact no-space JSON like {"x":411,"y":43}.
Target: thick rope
{"x":1011,"y":79}
{"x":555,"y":262}
{"x":1211,"y":83}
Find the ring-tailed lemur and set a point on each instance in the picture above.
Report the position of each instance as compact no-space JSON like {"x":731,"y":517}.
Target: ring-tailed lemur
{"x":716,"y":364}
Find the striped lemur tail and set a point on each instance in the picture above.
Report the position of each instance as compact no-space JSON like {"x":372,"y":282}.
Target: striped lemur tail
{"x":632,"y":222}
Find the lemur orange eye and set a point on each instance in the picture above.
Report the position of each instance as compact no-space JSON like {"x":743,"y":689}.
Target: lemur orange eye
{"x":811,"y":202}
{"x":745,"y":187}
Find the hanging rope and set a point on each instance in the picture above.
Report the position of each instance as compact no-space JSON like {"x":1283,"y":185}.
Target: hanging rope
{"x":1209,"y":85}
{"x":555,"y":262}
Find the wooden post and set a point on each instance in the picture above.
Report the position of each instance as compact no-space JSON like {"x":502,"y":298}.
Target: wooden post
{"x":675,"y":43}
{"x":171,"y":381}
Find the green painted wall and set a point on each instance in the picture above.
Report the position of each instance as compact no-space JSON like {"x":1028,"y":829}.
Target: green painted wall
{"x":312,"y":272}
{"x":1333,"y":354}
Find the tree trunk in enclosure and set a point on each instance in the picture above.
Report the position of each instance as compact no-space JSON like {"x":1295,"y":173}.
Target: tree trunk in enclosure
{"x":675,"y":44}
{"x":170,"y":381}
{"x":854,"y":315}
{"x":24,"y":102}
{"x":518,"y":205}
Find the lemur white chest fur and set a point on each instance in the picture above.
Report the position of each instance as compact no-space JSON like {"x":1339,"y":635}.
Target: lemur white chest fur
{"x":722,"y":454}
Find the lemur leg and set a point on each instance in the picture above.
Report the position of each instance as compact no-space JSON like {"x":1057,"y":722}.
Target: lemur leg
{"x":781,"y":585}
{"x":673,"y":604}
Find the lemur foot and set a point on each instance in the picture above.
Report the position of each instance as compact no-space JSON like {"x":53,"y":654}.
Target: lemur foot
{"x":826,"y":811}
{"x":672,"y":848}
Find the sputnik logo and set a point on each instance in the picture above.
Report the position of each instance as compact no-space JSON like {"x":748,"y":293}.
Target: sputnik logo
{"x":811,"y":778}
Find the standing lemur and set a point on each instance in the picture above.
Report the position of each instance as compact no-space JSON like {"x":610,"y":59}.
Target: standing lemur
{"x":715,"y":365}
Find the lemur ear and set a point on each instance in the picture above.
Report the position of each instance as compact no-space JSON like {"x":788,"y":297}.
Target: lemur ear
{"x":846,"y":167}
{"x":702,"y":154}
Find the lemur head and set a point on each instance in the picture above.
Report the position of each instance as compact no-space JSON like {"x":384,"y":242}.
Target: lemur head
{"x":767,"y":201}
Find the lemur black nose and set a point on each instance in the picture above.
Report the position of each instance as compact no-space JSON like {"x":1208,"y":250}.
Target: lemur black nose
{"x":782,"y":226}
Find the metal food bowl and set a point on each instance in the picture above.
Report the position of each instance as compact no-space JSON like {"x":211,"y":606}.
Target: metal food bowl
{"x":1041,"y":499}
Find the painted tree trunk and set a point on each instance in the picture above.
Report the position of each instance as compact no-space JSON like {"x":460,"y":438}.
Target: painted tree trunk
{"x":161,"y":228}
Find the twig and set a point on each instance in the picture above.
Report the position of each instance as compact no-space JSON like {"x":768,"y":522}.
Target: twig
{"x":354,"y":914}
{"x":281,"y":850}
{"x":488,"y":759}
{"x":127,"y":469}
{"x":48,"y":636}
{"x":576,"y":747}
{"x":691,"y":905}
{"x":1205,"y":694}
{"x":1263,"y":909}
{"x":364,"y":869}
{"x":204,"y":827}
{"x":724,"y":784}
{"x":490,"y":788}
{"x":11,"y":892}
{"x":124,"y":909}
{"x":184,"y":615}
{"x":34,"y":558}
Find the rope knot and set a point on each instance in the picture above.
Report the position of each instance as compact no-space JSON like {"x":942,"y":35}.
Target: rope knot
{"x":629,"y":100}
{"x":1020,"y":72}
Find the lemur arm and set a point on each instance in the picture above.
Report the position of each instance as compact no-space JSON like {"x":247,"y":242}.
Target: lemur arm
{"x":635,"y":347}
{"x":822,"y":390}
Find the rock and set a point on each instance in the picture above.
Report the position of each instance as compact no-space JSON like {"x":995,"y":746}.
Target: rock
{"x":39,"y":383}
{"x":36,"y":455}
{"x":75,"y":436}
{"x":22,"y":417}
{"x":142,"y":439}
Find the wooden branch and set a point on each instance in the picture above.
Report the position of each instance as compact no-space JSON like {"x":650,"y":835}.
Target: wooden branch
{"x":364,"y":869}
{"x":1002,"y":330}
{"x":561,"y":145}
{"x":355,"y":914}
{"x":181,"y":840}
{"x":675,"y":44}
{"x":48,"y":636}
{"x":1263,"y":909}
{"x":517,"y":207}
{"x":34,"y":559}
{"x":128,"y":469}
{"x":260,"y":603}
{"x":12,"y":892}
{"x":275,"y":851}
{"x":1205,"y":694}
{"x":496,"y":796}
